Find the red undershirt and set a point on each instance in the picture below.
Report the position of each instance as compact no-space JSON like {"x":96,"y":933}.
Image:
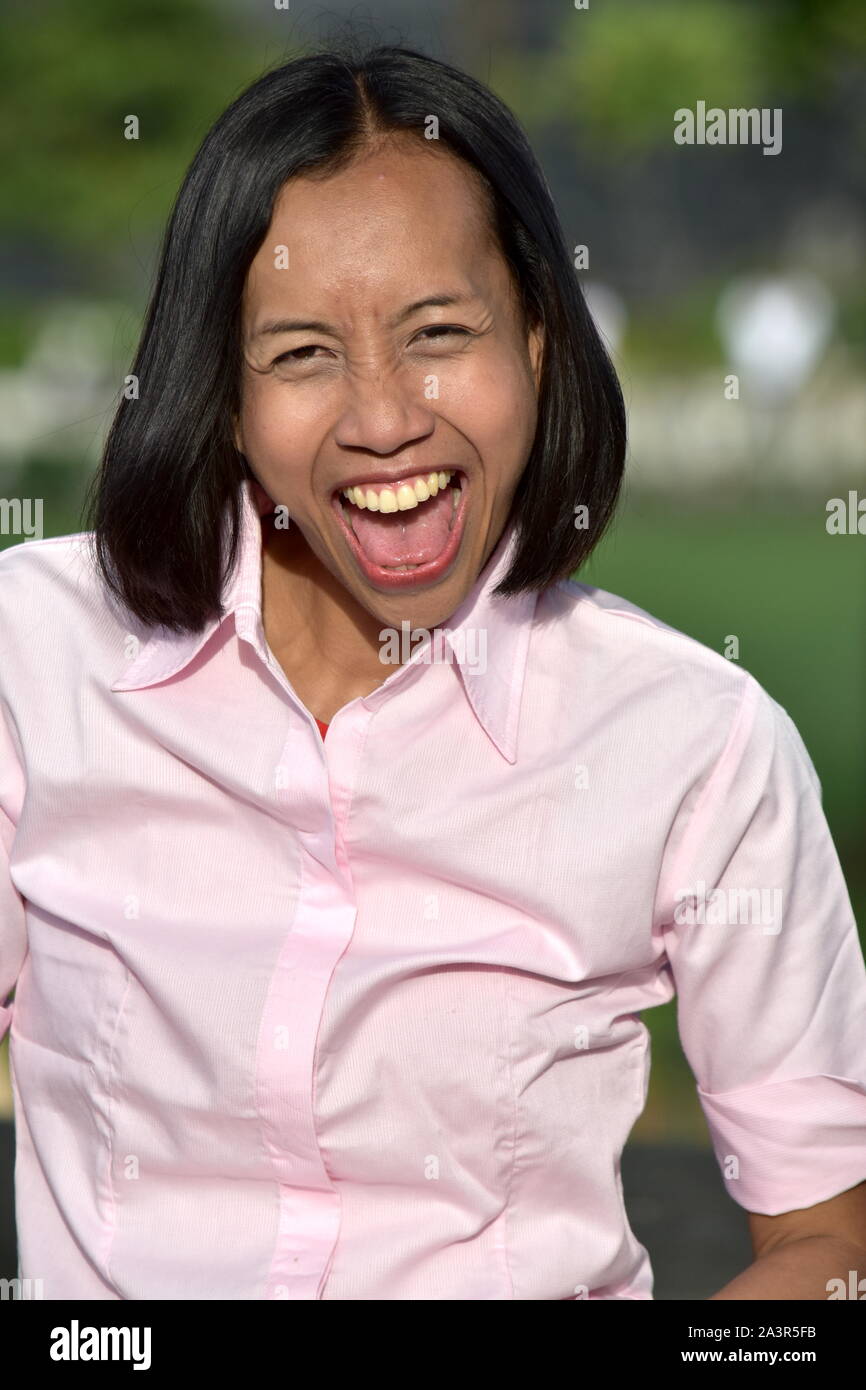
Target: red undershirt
{"x":323,"y":728}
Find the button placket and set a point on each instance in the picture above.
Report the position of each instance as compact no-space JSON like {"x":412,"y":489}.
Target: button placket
{"x":309,"y":1219}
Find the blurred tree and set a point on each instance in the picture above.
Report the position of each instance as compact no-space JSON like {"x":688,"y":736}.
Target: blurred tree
{"x":69,"y":76}
{"x":618,"y":72}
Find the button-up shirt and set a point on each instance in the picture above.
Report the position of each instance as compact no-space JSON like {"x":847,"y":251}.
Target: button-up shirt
{"x":360,"y":1018}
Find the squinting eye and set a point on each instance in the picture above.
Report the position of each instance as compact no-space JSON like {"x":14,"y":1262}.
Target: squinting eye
{"x":293,"y":356}
{"x":445,"y":329}
{"x":438,"y":330}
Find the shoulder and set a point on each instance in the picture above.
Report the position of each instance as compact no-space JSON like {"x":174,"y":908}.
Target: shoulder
{"x":649,"y":677}
{"x":606,"y":629}
{"x":43,"y":562}
{"x":55,"y":611}
{"x":52,"y":580}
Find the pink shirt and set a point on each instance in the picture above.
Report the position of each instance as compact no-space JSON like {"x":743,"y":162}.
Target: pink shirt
{"x":359,"y":1018}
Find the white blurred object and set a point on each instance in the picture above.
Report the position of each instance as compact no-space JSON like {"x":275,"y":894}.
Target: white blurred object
{"x":72,"y":344}
{"x":608,"y":310}
{"x":59,"y":402}
{"x":774,"y":330}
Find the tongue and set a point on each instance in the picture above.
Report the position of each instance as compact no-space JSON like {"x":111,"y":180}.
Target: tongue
{"x":413,"y":537}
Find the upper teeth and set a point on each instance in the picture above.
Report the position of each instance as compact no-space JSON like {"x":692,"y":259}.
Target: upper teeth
{"x":408,"y":494}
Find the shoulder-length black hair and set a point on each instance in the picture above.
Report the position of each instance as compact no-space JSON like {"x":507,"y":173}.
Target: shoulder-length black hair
{"x":170,"y":472}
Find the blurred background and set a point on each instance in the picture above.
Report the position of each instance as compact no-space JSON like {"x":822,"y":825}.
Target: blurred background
{"x":729,"y":285}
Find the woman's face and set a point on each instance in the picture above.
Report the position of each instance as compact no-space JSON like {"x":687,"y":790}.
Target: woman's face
{"x":353,"y":377}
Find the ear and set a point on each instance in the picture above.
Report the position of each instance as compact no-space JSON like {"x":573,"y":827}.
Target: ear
{"x":535,"y":345}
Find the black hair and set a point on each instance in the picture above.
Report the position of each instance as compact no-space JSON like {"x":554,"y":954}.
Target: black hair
{"x":170,"y":473}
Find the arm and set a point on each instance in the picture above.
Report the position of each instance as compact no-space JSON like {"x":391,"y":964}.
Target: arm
{"x":13,"y":930}
{"x":771,"y":1011}
{"x":798,"y":1252}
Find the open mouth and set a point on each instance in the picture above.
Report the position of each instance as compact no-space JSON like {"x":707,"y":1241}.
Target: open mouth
{"x":407,"y":533}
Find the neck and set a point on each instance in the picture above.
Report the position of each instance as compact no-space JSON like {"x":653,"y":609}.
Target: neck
{"x":326,"y":643}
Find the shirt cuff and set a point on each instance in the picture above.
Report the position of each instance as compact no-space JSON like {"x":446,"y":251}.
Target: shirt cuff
{"x":789,"y":1144}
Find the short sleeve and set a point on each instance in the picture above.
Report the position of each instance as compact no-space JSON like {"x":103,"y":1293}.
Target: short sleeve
{"x":13,"y":933}
{"x":763,"y":949}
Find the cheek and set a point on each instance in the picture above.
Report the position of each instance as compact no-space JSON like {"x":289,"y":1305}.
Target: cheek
{"x":277,"y":422}
{"x":257,"y":415}
{"x":494,"y":406}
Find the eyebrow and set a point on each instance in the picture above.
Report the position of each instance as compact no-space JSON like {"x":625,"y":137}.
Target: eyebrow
{"x":433,"y":301}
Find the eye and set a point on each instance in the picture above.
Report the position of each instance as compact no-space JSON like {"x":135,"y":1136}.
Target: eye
{"x":437,"y":331}
{"x":295,"y":354}
{"x":443,"y":330}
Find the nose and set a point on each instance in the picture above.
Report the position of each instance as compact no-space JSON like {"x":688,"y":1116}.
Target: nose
{"x":384,"y":411}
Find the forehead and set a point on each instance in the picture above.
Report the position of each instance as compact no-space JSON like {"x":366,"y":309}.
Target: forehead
{"x":400,"y":215}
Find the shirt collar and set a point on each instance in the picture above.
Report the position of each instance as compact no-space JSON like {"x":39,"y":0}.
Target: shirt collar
{"x":499,"y":628}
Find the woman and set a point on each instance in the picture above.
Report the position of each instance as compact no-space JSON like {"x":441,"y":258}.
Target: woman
{"x":352,"y":1012}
